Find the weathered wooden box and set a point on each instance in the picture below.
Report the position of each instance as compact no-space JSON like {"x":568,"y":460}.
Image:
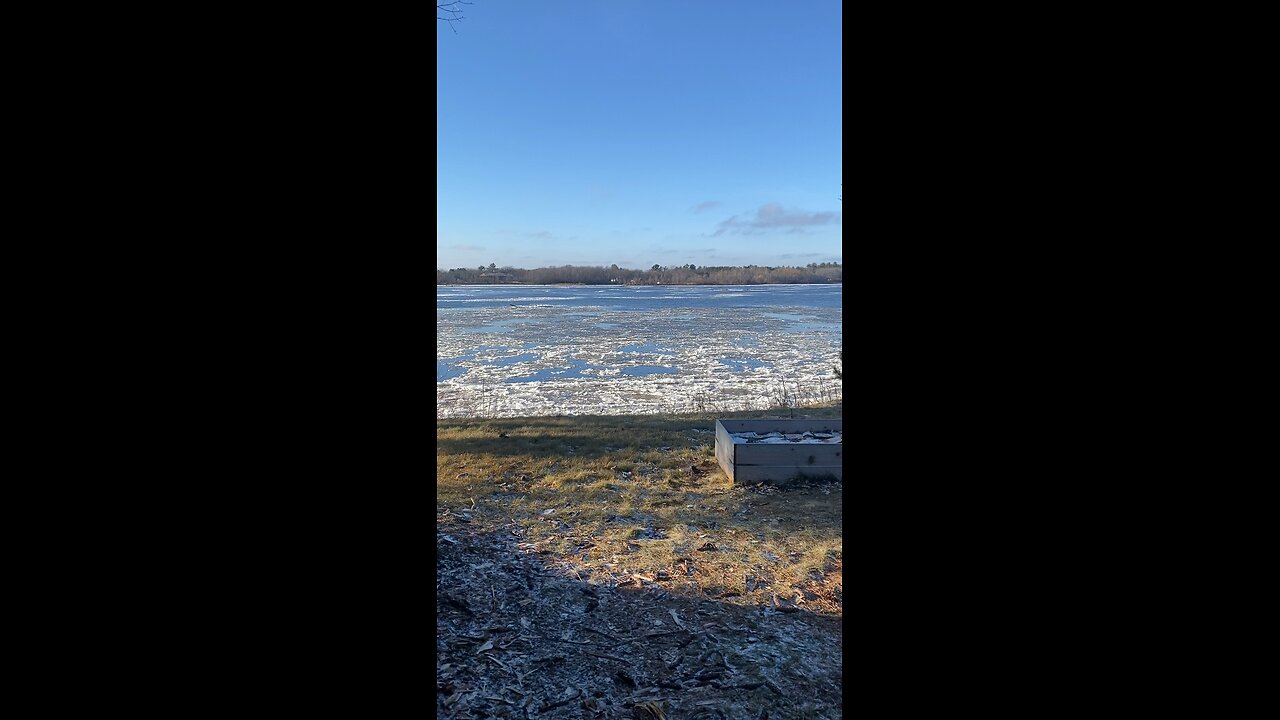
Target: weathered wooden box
{"x":750,"y":463}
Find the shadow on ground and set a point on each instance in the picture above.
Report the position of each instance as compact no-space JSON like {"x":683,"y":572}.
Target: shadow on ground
{"x":516,"y":637}
{"x":553,"y":437}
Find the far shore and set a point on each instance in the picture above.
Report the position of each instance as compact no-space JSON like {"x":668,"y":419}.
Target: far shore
{"x":630,"y":284}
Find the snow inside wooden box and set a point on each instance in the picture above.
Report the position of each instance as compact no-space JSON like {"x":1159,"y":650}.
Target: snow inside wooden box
{"x":753,"y":451}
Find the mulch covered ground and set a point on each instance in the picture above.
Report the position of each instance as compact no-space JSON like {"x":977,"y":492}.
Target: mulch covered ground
{"x":518,"y":639}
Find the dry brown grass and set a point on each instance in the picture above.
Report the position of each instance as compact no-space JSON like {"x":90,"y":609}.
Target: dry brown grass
{"x":610,"y":498}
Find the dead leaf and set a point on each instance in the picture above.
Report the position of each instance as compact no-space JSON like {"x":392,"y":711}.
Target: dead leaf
{"x":648,"y":711}
{"x":487,"y":646}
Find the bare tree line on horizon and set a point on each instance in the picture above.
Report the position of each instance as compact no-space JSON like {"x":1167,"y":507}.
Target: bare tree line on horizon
{"x":813,"y":273}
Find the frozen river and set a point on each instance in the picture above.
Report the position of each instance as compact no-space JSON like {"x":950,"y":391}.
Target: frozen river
{"x":523,"y":350}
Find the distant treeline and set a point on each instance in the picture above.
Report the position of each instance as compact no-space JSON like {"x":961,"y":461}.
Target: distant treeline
{"x":657,"y":275}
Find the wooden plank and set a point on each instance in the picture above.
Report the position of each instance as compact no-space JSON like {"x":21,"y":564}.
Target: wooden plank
{"x":724,"y":450}
{"x":798,"y":454}
{"x":752,"y":474}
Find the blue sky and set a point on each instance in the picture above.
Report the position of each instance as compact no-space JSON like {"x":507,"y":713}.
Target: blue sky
{"x":638,"y":132}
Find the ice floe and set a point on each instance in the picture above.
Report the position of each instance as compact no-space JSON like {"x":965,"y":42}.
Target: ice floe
{"x":504,"y":361}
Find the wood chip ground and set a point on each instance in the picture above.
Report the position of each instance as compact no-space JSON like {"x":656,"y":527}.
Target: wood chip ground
{"x":516,"y":638}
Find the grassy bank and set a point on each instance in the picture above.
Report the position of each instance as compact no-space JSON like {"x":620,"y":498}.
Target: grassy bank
{"x":640,"y":501}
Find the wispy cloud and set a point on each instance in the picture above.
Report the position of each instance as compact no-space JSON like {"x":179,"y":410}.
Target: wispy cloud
{"x":706,"y":205}
{"x":541,"y":235}
{"x":466,"y":248}
{"x":774,"y":217}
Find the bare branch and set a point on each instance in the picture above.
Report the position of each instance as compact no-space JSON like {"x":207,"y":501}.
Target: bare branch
{"x":453,"y":13}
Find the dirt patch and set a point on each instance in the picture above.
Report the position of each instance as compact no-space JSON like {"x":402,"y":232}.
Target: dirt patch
{"x":524,"y":635}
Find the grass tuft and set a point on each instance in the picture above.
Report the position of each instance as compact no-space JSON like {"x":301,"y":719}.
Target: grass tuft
{"x":644,"y":495}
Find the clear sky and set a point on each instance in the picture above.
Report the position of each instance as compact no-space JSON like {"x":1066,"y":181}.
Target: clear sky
{"x":637,"y":132}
